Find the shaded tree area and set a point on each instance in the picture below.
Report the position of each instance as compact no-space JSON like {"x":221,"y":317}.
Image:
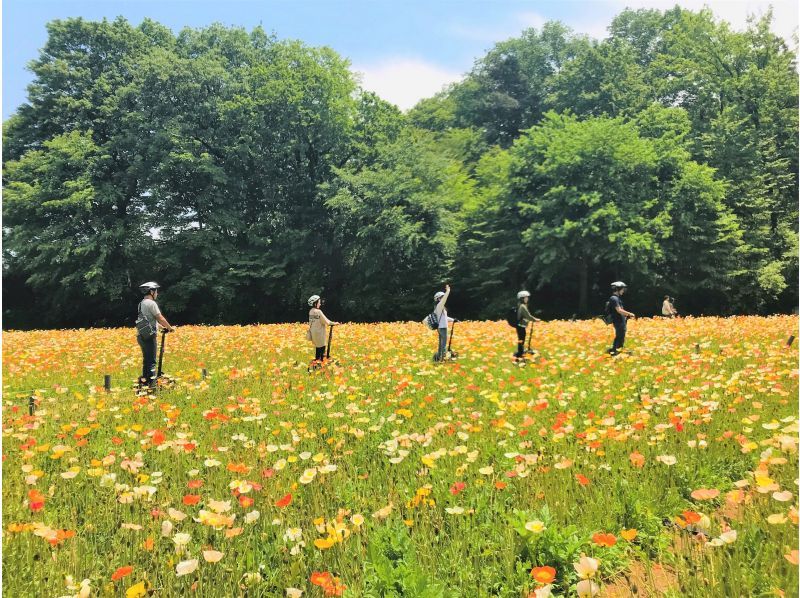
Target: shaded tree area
{"x":245,"y":173}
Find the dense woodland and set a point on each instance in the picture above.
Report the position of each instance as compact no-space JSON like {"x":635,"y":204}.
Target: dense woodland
{"x":245,"y":172}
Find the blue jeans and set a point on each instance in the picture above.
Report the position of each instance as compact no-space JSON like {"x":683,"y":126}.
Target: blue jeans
{"x":148,"y":358}
{"x":620,"y":328}
{"x":442,"y":344}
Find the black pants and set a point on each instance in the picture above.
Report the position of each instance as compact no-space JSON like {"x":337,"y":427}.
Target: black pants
{"x":320,"y":353}
{"x":521,"y":332}
{"x":148,"y":358}
{"x":620,"y":328}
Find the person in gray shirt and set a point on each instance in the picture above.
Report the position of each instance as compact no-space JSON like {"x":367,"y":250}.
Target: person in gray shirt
{"x":148,"y":308}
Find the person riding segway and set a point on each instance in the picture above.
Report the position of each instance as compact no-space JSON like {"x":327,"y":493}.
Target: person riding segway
{"x":147,"y":325}
{"x":618,"y":316}
{"x":318,"y":325}
{"x":440,"y":314}
{"x":524,"y":317}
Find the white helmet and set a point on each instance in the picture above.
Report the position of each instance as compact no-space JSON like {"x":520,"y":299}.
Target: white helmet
{"x":619,"y":285}
{"x":523,"y":294}
{"x":312,"y":300}
{"x":147,"y":287}
{"x":438,"y":295}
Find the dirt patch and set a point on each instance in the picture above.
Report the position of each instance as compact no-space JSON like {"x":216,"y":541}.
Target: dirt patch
{"x":642,"y":579}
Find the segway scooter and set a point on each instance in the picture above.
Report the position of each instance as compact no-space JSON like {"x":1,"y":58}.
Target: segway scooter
{"x":162,"y":380}
{"x":451,"y":355}
{"x":529,"y":351}
{"x":522,"y":360}
{"x":315,"y":365}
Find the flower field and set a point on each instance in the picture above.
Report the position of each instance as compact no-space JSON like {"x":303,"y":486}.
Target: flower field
{"x":669,"y":470}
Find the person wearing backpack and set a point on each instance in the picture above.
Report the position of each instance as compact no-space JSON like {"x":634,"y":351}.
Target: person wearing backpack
{"x":618,"y":315}
{"x":440,"y":298}
{"x":318,"y":326}
{"x":147,"y":322}
{"x":524,"y":317}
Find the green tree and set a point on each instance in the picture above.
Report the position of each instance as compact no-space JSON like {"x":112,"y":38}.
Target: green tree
{"x":740,"y":90}
{"x":507,"y":90}
{"x":397,"y":225}
{"x":76,"y":110}
{"x":577,"y":201}
{"x":64,"y":230}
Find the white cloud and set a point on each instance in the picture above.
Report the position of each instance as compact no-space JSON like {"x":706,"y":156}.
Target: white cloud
{"x":405,"y":81}
{"x":525,"y":20}
{"x":512,"y":28}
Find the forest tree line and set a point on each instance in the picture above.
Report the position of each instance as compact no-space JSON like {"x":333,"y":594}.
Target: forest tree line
{"x":245,"y":173}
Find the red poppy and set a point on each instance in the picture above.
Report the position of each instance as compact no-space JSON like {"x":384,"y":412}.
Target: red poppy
{"x":284,"y":502}
{"x":191,"y":499}
{"x":456,"y":488}
{"x":121,"y":572}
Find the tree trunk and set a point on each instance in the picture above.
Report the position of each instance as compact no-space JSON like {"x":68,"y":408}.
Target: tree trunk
{"x":583,"y":284}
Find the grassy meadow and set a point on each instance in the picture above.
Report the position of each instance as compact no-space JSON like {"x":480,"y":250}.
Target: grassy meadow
{"x":669,"y":470}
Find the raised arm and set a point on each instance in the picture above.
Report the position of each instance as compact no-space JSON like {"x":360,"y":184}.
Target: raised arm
{"x":440,"y":306}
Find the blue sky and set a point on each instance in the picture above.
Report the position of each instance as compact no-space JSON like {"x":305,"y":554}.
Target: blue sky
{"x":404,"y":49}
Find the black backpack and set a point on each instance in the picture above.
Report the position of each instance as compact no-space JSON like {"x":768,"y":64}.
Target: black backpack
{"x":511,"y":317}
{"x":607,"y":317}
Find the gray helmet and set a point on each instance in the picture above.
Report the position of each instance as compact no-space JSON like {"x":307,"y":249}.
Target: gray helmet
{"x":523,"y":294}
{"x":312,"y":300}
{"x":148,"y":287}
{"x":438,"y":295}
{"x":618,"y":285}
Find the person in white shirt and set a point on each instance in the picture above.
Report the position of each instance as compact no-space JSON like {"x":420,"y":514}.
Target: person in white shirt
{"x":148,"y":309}
{"x":440,"y":298}
{"x":667,"y":309}
{"x":318,"y":326}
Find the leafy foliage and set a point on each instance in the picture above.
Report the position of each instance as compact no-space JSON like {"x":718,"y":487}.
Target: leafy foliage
{"x":246,"y":173}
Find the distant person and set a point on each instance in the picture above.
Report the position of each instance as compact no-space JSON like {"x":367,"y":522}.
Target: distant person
{"x":318,"y":326}
{"x":619,"y":316}
{"x":667,"y":308}
{"x":440,"y":298}
{"x":147,"y":323}
{"x":524,"y":318}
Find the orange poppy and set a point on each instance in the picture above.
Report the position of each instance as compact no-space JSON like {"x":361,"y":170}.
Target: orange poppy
{"x":629,"y":534}
{"x":121,"y":572}
{"x":604,"y":539}
{"x":691,"y":517}
{"x":637,"y":459}
{"x":543,"y":575}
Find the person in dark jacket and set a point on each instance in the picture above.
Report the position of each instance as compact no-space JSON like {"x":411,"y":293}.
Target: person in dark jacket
{"x":619,"y":316}
{"x":524,"y":317}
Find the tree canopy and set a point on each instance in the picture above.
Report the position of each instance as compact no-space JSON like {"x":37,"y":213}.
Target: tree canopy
{"x":245,"y":172}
